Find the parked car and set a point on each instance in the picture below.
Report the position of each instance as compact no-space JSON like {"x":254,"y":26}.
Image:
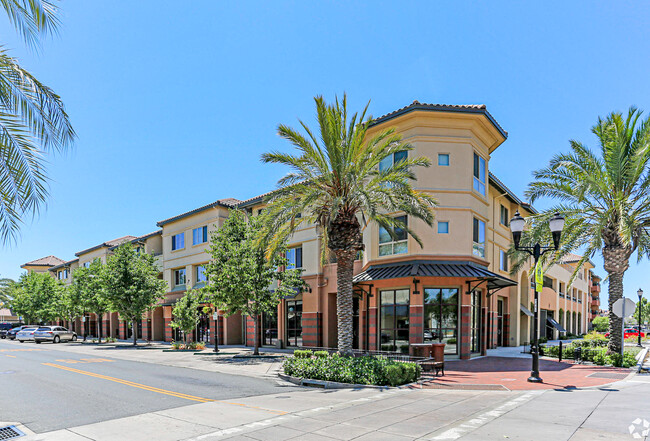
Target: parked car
{"x":630,"y":332}
{"x":26,"y":334}
{"x":55,"y":334}
{"x":11,"y":334}
{"x":6,"y":327}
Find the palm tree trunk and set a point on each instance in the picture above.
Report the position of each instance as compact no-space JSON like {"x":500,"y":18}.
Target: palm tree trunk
{"x":615,"y":291}
{"x":615,"y":262}
{"x":344,"y":273}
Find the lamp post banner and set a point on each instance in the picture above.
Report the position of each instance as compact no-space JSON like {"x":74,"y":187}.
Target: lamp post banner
{"x":539,"y":276}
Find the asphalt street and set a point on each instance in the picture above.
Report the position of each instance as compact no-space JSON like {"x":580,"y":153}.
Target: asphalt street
{"x":48,"y":389}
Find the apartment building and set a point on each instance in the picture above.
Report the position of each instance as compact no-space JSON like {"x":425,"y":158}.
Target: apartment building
{"x":457,"y":288}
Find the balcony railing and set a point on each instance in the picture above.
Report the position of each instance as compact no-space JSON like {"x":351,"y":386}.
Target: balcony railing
{"x":561,"y":295}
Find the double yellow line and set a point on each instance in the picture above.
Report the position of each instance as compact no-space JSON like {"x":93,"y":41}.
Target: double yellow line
{"x":131,"y":383}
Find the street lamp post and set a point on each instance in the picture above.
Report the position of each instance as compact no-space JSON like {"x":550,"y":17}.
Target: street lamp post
{"x":517,"y":223}
{"x":640,"y":294}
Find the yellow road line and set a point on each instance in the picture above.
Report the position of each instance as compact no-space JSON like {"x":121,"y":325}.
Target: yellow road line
{"x":19,"y":350}
{"x":12,"y":356}
{"x":132,"y":384}
{"x":158,"y":390}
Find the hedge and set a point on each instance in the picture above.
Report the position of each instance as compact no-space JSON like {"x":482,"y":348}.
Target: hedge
{"x":379,"y":371}
{"x":594,"y":350}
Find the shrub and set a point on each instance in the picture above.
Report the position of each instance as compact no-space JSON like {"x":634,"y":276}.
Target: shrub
{"x":302,"y":353}
{"x":356,"y":370}
{"x":452,"y":341}
{"x":321,"y":354}
{"x":543,"y":340}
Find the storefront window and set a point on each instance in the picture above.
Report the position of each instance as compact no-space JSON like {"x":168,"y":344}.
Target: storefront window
{"x":394,"y":321}
{"x":441,"y":317}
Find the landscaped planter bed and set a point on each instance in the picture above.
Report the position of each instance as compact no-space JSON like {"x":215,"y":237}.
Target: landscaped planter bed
{"x":359,"y":371}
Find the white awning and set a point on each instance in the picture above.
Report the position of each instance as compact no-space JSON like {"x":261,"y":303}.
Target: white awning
{"x":525,"y":310}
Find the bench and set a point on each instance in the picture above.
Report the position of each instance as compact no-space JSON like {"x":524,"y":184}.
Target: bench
{"x":431,"y":365}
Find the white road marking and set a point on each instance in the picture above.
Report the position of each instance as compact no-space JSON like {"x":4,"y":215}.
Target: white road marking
{"x":471,"y":425}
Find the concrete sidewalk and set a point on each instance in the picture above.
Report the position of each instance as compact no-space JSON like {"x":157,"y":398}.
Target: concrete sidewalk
{"x":612,"y":413}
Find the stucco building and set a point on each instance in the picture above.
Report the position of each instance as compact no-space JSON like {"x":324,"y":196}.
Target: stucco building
{"x":457,"y":287}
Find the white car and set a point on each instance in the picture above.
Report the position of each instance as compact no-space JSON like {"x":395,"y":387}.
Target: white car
{"x":26,"y":334}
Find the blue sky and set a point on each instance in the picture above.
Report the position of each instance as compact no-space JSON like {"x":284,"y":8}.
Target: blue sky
{"x":174,"y":102}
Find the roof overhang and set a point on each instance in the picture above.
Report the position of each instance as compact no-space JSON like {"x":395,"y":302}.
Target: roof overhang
{"x":428,"y":268}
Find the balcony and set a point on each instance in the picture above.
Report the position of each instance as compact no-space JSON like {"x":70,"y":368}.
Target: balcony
{"x":561,"y":295}
{"x":595,"y":303}
{"x":595,"y":288}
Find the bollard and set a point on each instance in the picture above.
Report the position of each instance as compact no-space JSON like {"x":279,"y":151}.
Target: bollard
{"x":577,"y":355}
{"x":560,"y":354}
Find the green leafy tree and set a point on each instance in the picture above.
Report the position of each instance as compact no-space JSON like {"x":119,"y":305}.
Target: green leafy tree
{"x":241,"y":273}
{"x":601,"y":324}
{"x":340,"y":181}
{"x":645,"y":311}
{"x":33,"y":120}
{"x":36,"y":297}
{"x":6,"y":285}
{"x":186,"y":312}
{"x":605,"y":199}
{"x":89,"y":286}
{"x":69,"y":306}
{"x":132,"y":286}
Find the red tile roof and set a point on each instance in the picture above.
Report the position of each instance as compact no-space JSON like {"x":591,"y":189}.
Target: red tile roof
{"x":110,"y":243}
{"x":463,"y":108}
{"x":228,"y":203}
{"x":44,"y":261}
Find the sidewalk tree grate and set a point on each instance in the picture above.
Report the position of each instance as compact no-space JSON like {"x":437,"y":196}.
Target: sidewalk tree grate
{"x":609,"y":375}
{"x":10,"y":432}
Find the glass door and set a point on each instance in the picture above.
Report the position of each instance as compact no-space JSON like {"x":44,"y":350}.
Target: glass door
{"x":269,"y":328}
{"x":499,"y":322}
{"x":441,"y":317}
{"x":294,"y":322}
{"x":475,"y":321}
{"x":394,"y":321}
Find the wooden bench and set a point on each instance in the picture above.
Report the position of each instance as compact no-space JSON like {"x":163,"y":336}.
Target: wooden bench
{"x":431,"y":365}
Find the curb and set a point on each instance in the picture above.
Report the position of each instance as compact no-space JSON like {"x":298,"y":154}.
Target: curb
{"x":330,"y":384}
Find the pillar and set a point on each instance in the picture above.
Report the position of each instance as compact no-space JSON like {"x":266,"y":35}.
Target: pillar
{"x":465,"y":331}
{"x":416,"y":331}
{"x":311,"y":329}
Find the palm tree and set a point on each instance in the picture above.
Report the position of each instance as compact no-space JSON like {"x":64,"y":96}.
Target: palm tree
{"x":605,"y":199}
{"x":336,"y":183}
{"x":33,"y":120}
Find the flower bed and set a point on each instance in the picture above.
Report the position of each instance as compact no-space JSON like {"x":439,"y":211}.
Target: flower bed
{"x":593,"y":349}
{"x":369,"y":370}
{"x":191,"y":346}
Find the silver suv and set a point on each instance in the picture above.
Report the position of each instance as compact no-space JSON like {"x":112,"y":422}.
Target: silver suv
{"x":55,"y":334}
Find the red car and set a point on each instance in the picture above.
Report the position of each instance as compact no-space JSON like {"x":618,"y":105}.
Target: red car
{"x":630,"y":332}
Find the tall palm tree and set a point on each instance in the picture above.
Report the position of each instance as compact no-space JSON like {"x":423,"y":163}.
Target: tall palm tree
{"x":336,"y":183}
{"x":5,"y":290}
{"x":605,"y":199}
{"x":33,"y":120}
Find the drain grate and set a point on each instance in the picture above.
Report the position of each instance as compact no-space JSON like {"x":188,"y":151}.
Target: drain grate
{"x":10,"y":432}
{"x":609,"y":375}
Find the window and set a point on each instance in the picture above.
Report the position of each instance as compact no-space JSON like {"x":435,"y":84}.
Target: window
{"x":443,"y":159}
{"x":294,"y":256}
{"x":503,"y":260}
{"x":479,"y":174}
{"x":86,"y":264}
{"x":388,"y":161}
{"x":178,"y":241}
{"x":441,"y":317}
{"x":63,"y":274}
{"x":504,"y":216}
{"x":548,"y":282}
{"x":260,"y":211}
{"x":179,"y":277}
{"x":200,"y":274}
{"x":478,"y":233}
{"x":394,"y":320}
{"x":393,"y":245}
{"x":200,"y":235}
{"x":443,"y":227}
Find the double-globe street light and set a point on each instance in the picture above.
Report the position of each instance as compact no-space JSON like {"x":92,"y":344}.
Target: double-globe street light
{"x":640,"y":294}
{"x":556,"y":224}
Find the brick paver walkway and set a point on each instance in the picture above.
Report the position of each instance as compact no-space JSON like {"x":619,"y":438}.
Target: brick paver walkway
{"x":501,"y":373}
